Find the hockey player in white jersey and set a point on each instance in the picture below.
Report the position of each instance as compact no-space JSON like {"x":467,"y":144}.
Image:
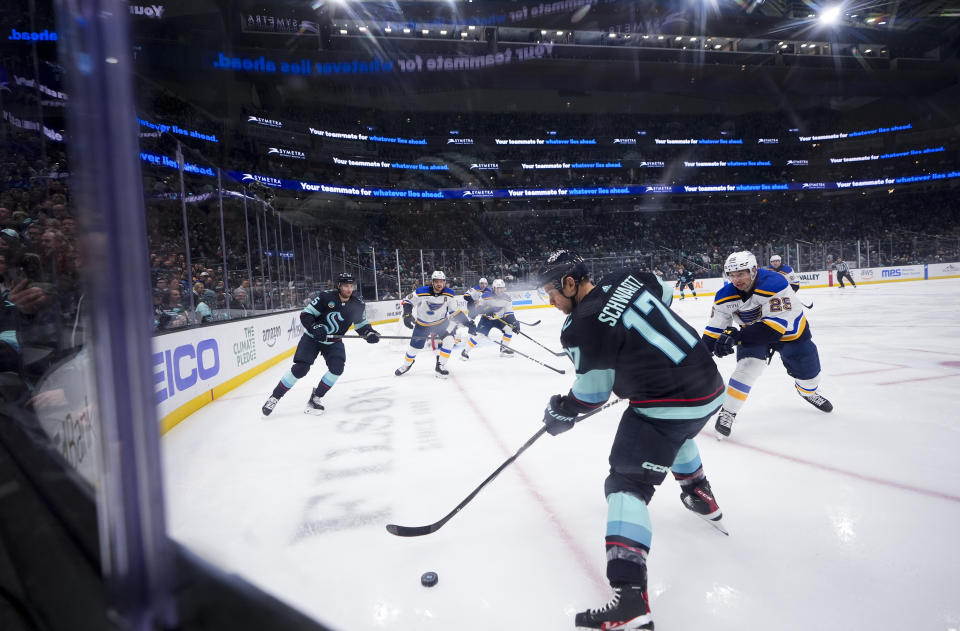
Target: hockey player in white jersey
{"x":496,"y":312}
{"x":474,"y":296}
{"x":432,"y":309}
{"x":776,"y":265}
{"x":771,"y":318}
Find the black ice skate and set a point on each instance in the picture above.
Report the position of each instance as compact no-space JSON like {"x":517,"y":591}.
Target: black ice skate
{"x":314,"y":406}
{"x":402,"y":370}
{"x":698,"y":498}
{"x":724,"y":424}
{"x":629,"y":609}
{"x":442,"y":373}
{"x":506,"y":353}
{"x":464,"y":355}
{"x":818,"y":402}
{"x":269,"y":405}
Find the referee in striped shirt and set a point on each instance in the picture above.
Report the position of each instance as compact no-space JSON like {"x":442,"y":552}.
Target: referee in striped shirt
{"x":843,"y":270}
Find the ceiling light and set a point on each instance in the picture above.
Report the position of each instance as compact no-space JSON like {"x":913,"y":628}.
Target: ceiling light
{"x":406,"y":30}
{"x":388,"y":30}
{"x":343,"y":31}
{"x":425,"y":31}
{"x":612,"y":35}
{"x":443,"y":32}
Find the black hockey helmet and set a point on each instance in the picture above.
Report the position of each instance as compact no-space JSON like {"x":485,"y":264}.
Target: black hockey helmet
{"x":561,"y":264}
{"x":344,"y":277}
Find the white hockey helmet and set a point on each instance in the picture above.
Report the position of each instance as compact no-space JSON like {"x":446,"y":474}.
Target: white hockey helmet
{"x":482,"y":281}
{"x":740,"y":261}
{"x":499,"y":283}
{"x":438,"y":275}
{"x":775,"y":259}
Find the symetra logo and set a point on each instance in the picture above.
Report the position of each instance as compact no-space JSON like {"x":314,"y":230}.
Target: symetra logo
{"x":485,"y":166}
{"x":659,"y":188}
{"x":181,"y":368}
{"x":271,"y":335}
{"x":459,"y":141}
{"x":798,"y":163}
{"x":478,"y":193}
{"x":624,"y":141}
{"x":29,"y":36}
{"x":266,"y":122}
{"x":890,"y":273}
{"x":814,"y":185}
{"x":657,"y":164}
{"x":287,"y":153}
{"x":266,"y":180}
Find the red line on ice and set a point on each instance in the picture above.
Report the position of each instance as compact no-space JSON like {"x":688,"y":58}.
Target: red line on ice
{"x":850,"y":474}
{"x":585,"y":561}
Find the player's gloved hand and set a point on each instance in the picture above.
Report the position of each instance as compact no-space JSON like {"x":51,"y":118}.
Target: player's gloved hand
{"x":727,"y":342}
{"x":318,"y":332}
{"x":556,"y":418}
{"x":472,"y":329}
{"x":515,"y":327}
{"x":408,"y":320}
{"x":371,"y":336}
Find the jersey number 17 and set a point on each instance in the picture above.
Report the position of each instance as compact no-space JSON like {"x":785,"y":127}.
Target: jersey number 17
{"x":636,"y":318}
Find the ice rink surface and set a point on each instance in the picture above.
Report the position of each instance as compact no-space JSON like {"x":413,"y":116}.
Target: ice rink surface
{"x":837,"y":521}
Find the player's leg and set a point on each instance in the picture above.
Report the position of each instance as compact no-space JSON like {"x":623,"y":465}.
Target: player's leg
{"x":693,"y":291}
{"x":417,"y":339}
{"x":506,"y":339}
{"x":639,"y":461}
{"x":335,"y":356}
{"x":751,"y":360}
{"x":483,"y":328}
{"x":443,"y":354}
{"x":802,"y":361}
{"x":306,"y":353}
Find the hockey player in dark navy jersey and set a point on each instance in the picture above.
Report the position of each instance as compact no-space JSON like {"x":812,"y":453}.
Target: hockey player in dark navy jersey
{"x":685,"y":278}
{"x":623,"y":338}
{"x":330,"y":314}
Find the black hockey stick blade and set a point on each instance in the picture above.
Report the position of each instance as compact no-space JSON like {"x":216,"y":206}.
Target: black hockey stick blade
{"x":552,"y":352}
{"x":419,"y":531}
{"x":529,"y":323}
{"x":807,"y":306}
{"x":533,"y":359}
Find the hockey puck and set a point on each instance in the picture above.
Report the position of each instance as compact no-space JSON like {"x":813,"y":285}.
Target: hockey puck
{"x":429,"y":579}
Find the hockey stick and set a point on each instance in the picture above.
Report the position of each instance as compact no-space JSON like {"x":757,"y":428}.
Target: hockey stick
{"x":807,"y":306}
{"x":419,"y":531}
{"x":360,"y":337}
{"x":529,"y":323}
{"x":533,"y":359}
{"x":554,"y":353}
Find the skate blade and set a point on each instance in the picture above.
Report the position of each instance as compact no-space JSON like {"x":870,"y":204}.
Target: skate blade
{"x":718,"y":526}
{"x":313,"y":411}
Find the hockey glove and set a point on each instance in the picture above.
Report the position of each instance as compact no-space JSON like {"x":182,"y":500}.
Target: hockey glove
{"x":472,"y":329}
{"x":408,"y":320}
{"x":318,"y":332}
{"x":515,"y":326}
{"x":727,"y":342}
{"x":556,"y":418}
{"x":371,"y":336}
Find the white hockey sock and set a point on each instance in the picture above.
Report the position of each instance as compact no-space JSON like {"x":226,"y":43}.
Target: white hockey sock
{"x":741,"y":382}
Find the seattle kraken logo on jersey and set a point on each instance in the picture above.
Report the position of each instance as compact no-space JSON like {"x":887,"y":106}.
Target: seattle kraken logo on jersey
{"x":333,"y":322}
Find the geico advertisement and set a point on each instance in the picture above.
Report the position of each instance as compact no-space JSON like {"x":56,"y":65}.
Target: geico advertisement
{"x":190,"y":363}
